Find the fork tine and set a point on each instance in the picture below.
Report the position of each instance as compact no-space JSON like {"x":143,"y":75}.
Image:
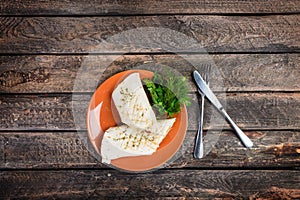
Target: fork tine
{"x":203,"y":74}
{"x":208,"y":73}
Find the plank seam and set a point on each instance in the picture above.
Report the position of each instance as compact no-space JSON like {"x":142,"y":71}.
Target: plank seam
{"x":63,"y":94}
{"x":190,"y":130}
{"x":149,"y":14}
{"x":246,"y":168}
{"x":296,"y":51}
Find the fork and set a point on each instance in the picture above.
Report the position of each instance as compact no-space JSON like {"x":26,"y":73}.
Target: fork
{"x":198,"y":149}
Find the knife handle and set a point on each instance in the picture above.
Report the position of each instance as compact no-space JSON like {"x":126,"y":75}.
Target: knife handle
{"x":244,"y":138}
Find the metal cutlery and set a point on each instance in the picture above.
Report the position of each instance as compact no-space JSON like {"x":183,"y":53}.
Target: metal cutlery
{"x":198,"y":149}
{"x":204,"y":88}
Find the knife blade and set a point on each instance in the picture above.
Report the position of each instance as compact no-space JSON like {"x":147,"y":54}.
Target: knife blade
{"x":203,"y":87}
{"x":207,"y":91}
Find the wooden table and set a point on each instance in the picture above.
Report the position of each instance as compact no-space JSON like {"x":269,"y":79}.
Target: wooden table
{"x":255,"y":45}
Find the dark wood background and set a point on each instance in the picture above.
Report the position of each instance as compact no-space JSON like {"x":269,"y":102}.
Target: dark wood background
{"x":255,"y":44}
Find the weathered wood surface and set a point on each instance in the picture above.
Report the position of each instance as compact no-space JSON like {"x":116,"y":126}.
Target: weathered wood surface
{"x":57,"y":73}
{"x":23,"y":150}
{"x":275,"y":33}
{"x":254,"y":43}
{"x":209,"y":184}
{"x":93,"y":7}
{"x":251,"y":111}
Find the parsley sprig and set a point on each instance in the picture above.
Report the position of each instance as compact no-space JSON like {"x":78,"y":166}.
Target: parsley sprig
{"x":167,"y":93}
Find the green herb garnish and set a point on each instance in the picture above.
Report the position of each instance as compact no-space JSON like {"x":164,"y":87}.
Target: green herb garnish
{"x":168,"y":93}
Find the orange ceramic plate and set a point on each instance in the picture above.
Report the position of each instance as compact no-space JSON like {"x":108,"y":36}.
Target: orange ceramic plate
{"x":168,"y":147}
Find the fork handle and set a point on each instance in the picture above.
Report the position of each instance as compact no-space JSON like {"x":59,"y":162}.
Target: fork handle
{"x":198,"y":149}
{"x":245,"y":140}
{"x":198,"y":152}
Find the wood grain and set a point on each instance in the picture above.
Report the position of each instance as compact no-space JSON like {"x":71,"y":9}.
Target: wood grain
{"x":54,"y":112}
{"x":254,"y":43}
{"x":38,"y":150}
{"x":207,"y":184}
{"x":238,"y":72}
{"x":273,"y":33}
{"x":93,"y":7}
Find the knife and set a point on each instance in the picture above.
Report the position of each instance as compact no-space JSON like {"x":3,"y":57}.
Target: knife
{"x":213,"y":99}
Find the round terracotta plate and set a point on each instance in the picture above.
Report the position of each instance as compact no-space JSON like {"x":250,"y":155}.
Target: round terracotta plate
{"x":168,"y":147}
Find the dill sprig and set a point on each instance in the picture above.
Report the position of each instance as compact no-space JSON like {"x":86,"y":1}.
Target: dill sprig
{"x":168,"y":93}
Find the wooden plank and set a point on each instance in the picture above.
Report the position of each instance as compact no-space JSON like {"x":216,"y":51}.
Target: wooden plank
{"x":238,"y":72}
{"x":54,"y":112}
{"x":275,"y":33}
{"x":271,"y":149}
{"x":37,"y":112}
{"x":93,"y":7}
{"x":207,"y":184}
{"x":38,"y":73}
{"x":39,"y":150}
